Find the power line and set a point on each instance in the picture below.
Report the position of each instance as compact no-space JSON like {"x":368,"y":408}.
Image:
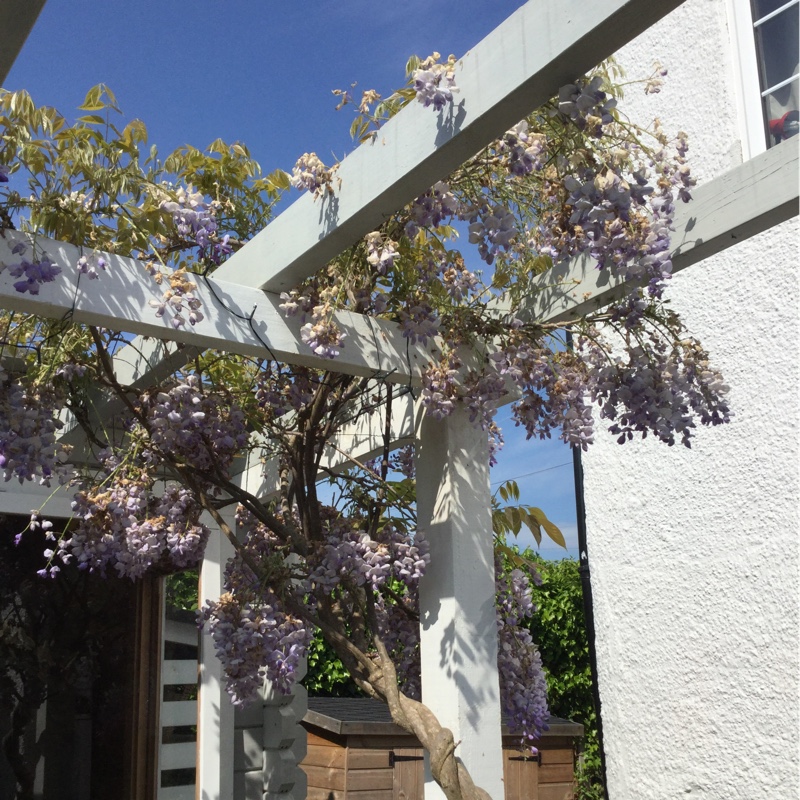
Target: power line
{"x":535,"y":472}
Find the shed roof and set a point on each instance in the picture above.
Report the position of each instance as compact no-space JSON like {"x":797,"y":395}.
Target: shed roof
{"x":364,"y":716}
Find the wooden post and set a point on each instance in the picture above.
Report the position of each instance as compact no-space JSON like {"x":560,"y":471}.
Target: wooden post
{"x":458,"y":625}
{"x":146,"y":682}
{"x":215,"y":735}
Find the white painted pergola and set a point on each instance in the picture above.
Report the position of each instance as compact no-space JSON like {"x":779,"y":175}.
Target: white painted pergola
{"x":514,"y":70}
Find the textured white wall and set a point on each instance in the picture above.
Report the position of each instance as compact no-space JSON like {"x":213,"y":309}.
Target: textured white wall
{"x":694,"y":554}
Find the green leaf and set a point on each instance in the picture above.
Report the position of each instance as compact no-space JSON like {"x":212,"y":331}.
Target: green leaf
{"x":412,"y":64}
{"x":217,"y":146}
{"x":93,"y":101}
{"x":279,"y":179}
{"x":533,"y":526}
{"x":550,"y":529}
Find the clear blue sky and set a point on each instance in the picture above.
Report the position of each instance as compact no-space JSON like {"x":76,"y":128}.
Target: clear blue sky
{"x":261,"y":72}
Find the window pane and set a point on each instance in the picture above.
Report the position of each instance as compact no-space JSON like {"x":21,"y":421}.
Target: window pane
{"x":780,"y":110}
{"x":777,"y":45}
{"x":763,"y":7}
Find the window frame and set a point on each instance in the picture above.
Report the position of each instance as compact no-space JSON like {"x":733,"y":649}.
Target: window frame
{"x":748,"y":94}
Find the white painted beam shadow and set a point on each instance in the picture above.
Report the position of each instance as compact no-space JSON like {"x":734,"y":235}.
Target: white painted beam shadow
{"x":747,"y":200}
{"x":17,"y":18}
{"x":120,"y":300}
{"x":514,"y":70}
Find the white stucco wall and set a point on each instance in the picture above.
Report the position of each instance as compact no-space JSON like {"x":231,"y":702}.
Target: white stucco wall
{"x":694,"y":553}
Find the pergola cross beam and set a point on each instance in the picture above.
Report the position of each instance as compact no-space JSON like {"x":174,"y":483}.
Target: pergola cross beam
{"x":513,"y":71}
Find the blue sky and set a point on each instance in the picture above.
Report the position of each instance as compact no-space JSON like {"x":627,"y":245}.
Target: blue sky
{"x":262,"y":73}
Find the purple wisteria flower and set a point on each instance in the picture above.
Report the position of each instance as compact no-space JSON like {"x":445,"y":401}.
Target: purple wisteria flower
{"x":92,"y":266}
{"x":32,"y":273}
{"x":196,"y":222}
{"x":434,"y":83}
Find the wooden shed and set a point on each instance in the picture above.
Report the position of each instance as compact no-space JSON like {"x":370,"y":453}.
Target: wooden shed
{"x":356,"y":752}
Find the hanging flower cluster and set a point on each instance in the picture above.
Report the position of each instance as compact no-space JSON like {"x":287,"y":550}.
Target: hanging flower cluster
{"x":311,"y":174}
{"x":127,"y":518}
{"x":257,"y":637}
{"x":195,"y":221}
{"x":178,"y":299}
{"x":31,"y":272}
{"x":254,"y":637}
{"x":29,"y":424}
{"x":202,"y":429}
{"x":434,"y":83}
{"x":523,"y":687}
{"x":131,"y":528}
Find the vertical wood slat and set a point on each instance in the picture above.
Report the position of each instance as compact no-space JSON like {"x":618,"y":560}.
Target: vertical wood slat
{"x":147,"y":683}
{"x":409,"y":773}
{"x":172,"y":754}
{"x":521,"y":776}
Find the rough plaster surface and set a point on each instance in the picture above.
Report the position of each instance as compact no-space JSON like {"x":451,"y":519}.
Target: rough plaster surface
{"x":694,"y":553}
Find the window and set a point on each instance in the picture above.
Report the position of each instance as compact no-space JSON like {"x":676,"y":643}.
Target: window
{"x":766,"y":36}
{"x":775,"y":24}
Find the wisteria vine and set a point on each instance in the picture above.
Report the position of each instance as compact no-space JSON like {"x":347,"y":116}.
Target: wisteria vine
{"x":573,"y":179}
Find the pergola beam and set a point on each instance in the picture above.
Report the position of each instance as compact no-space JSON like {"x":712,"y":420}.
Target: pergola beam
{"x":747,"y":200}
{"x":514,"y":70}
{"x":238,"y":319}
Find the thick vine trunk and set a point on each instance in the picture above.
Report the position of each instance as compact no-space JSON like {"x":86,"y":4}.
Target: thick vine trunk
{"x":447,"y":770}
{"x":415,"y":717}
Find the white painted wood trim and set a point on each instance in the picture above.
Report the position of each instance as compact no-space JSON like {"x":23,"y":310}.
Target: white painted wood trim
{"x":215,"y":724}
{"x":458,"y":624}
{"x":175,"y":673}
{"x":514,"y":70}
{"x":176,"y":793}
{"x":181,"y":632}
{"x":748,"y":88}
{"x":55,"y":502}
{"x":747,"y":200}
{"x":120,"y":299}
{"x":178,"y":712}
{"x":177,"y":756}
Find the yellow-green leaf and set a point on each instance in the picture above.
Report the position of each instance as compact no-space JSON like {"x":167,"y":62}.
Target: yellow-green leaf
{"x":550,"y":529}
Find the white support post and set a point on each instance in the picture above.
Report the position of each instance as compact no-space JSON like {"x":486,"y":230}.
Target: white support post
{"x":458,"y":625}
{"x":215,"y":734}
{"x":285,"y":742}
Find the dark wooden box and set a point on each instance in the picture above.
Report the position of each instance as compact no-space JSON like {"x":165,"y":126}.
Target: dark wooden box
{"x":355,"y":752}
